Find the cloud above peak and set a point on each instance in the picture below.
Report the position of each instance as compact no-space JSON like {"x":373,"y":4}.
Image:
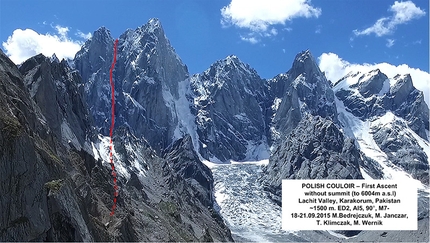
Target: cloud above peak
{"x":260,"y":16}
{"x":23,"y":44}
{"x":402,"y":13}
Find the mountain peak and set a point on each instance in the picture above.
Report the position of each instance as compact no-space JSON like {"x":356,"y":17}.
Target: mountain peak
{"x":303,"y":59}
{"x":54,"y":58}
{"x":232,"y":62}
{"x":101,"y":35}
{"x":154,"y":22}
{"x":403,"y":83}
{"x":304,"y":64}
{"x":232,"y":59}
{"x":153,"y":26}
{"x":304,"y":56}
{"x":102,"y":32}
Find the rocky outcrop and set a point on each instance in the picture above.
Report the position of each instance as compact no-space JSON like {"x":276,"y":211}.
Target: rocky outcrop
{"x":407,"y":102}
{"x":184,"y":161}
{"x":34,"y":164}
{"x":401,"y":147}
{"x":58,"y":91}
{"x":315,"y":149}
{"x":163,"y":199}
{"x":307,"y":141}
{"x":371,"y":85}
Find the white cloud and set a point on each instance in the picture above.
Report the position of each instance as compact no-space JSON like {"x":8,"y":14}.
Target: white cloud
{"x":273,"y":31}
{"x":390,"y":43}
{"x":83,"y":35}
{"x":252,"y":40}
{"x":335,"y":68}
{"x":318,"y":29}
{"x":380,"y":28}
{"x":403,"y":12}
{"x":417,"y":42}
{"x":62,"y":31}
{"x":259,"y":16}
{"x":23,"y":44}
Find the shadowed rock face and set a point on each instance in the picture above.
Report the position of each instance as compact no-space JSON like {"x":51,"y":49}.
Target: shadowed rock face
{"x":315,"y":149}
{"x":146,"y":79}
{"x":184,"y":161}
{"x":54,"y":189}
{"x":402,"y":149}
{"x":307,"y":140}
{"x":31,"y":156}
{"x":58,"y":91}
{"x":408,"y":102}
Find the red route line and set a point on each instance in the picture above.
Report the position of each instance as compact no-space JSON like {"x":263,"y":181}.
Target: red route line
{"x":115,"y":185}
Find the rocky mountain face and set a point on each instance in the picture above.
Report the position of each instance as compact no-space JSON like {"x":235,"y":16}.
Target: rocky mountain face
{"x":308,"y":142}
{"x":397,"y":113}
{"x":40,"y":201}
{"x":373,"y":94}
{"x":64,"y":109}
{"x":56,"y":177}
{"x":229,"y":104}
{"x":302,"y":90}
{"x":315,"y":149}
{"x":147,"y":75}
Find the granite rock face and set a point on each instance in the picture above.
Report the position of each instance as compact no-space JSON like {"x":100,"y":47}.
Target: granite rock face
{"x":229,"y":103}
{"x":184,"y":160}
{"x":302,"y":90}
{"x":57,"y":188}
{"x":163,"y":199}
{"x":146,"y":76}
{"x":402,"y":148}
{"x":408,"y":103}
{"x":315,"y":149}
{"x":58,"y":91}
{"x":307,"y":140}
{"x":34,"y":163}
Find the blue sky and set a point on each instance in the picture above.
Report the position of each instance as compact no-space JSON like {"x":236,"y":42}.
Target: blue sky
{"x":265,"y":34}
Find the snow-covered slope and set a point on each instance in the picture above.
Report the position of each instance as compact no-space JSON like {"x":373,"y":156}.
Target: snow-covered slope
{"x":389,"y":120}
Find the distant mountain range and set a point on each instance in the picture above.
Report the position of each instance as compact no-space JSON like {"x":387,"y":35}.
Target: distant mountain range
{"x":56,"y":178}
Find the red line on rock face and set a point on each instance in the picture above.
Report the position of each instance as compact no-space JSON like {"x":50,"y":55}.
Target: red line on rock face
{"x":115,"y":186}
